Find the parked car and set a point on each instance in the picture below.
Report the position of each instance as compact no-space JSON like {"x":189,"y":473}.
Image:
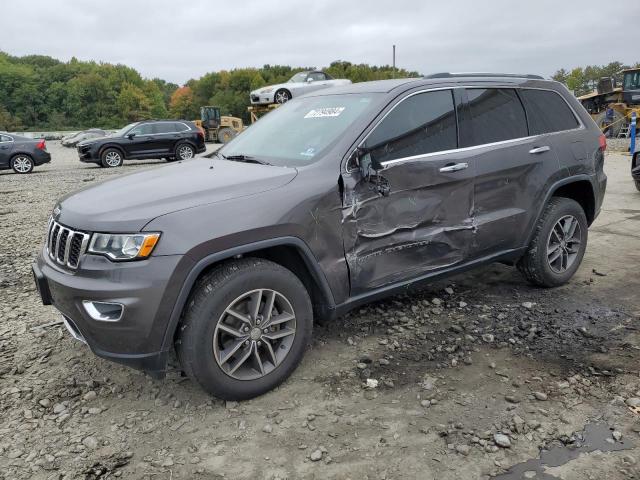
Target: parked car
{"x":22,"y":154}
{"x":371,"y":188}
{"x":299,"y":84}
{"x":168,"y":139}
{"x":73,"y":140}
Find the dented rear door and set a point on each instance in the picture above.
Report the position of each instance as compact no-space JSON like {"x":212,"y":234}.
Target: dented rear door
{"x":415,"y":216}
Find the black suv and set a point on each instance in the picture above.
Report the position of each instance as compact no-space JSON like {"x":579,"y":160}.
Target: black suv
{"x":169,"y":139}
{"x":369,"y":189}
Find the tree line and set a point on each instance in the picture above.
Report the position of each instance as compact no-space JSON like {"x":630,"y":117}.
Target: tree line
{"x":40,"y":92}
{"x":582,"y":80}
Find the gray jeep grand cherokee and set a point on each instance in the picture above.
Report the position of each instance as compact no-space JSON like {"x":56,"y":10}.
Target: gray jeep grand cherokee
{"x":337,"y":198}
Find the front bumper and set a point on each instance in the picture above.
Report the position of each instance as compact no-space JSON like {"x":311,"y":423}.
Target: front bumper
{"x":262,"y":98}
{"x":147,"y":290}
{"x":87,"y":155}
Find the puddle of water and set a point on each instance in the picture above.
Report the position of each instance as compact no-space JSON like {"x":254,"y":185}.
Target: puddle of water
{"x":596,"y":436}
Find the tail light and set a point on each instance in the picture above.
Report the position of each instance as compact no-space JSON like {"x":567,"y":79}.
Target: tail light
{"x":603,"y":142}
{"x":201,"y":134}
{"x":42,"y":145}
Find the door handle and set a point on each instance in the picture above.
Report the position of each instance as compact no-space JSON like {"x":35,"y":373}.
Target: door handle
{"x":454,"y":167}
{"x":546,"y":148}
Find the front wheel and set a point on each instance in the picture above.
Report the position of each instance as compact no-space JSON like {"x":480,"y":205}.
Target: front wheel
{"x":558,"y":245}
{"x":246,"y":327}
{"x":111,"y":158}
{"x":226,"y":134}
{"x":282,"y":96}
{"x":22,"y":164}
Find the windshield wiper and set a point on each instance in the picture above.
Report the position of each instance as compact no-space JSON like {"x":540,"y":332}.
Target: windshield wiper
{"x":244,"y":158}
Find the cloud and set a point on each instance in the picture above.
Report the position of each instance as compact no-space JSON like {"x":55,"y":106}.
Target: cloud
{"x":180,"y":40}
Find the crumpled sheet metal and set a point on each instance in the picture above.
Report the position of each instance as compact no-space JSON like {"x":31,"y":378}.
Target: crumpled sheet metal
{"x":409,"y":232}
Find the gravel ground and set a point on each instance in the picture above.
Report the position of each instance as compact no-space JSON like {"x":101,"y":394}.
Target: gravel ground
{"x":466,"y":378}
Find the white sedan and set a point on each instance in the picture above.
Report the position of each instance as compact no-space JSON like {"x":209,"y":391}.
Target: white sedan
{"x":299,"y":84}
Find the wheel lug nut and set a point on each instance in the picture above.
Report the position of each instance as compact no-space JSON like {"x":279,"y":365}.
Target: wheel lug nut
{"x":246,"y":342}
{"x":266,"y":330}
{"x":257,"y":321}
{"x":246,"y":329}
{"x":259,"y":343}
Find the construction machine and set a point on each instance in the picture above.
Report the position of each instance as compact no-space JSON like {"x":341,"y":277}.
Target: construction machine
{"x":218,"y":128}
{"x":611,"y":106}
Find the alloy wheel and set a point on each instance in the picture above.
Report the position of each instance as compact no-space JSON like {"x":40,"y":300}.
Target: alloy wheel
{"x":563,"y":244}
{"x":254,"y":334}
{"x":22,"y":164}
{"x":185,"y":152}
{"x":282,"y":97}
{"x":113,"y":159}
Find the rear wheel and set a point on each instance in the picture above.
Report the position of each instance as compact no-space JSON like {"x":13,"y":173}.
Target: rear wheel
{"x":22,"y":164}
{"x":245,"y":329}
{"x":184,"y":151}
{"x":111,"y":158}
{"x":558,"y":245}
{"x":226,"y":134}
{"x":611,"y":130}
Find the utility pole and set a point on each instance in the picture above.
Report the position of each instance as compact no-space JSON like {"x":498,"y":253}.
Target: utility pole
{"x":393,"y":74}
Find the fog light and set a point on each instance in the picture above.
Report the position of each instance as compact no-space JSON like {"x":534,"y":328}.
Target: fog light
{"x":103,"y":311}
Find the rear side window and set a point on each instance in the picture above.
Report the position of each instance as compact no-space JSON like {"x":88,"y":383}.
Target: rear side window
{"x":420,"y":124}
{"x":5,"y":138}
{"x":180,"y":127}
{"x":164,"y":127}
{"x":496,"y":115}
{"x":547,"y":112}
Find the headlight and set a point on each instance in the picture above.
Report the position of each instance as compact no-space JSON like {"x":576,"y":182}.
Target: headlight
{"x":266,"y":90}
{"x":122,"y":246}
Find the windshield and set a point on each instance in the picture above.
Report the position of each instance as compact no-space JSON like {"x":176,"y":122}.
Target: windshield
{"x":122,"y":131}
{"x":298,"y":78}
{"x":298,"y":132}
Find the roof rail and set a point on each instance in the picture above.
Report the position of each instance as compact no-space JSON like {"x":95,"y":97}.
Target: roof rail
{"x":480,"y":74}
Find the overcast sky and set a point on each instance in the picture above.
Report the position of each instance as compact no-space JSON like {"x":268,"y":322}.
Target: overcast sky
{"x":178,"y":40}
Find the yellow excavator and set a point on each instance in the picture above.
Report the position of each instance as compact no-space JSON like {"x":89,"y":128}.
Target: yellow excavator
{"x":218,"y":128}
{"x":620,"y":102}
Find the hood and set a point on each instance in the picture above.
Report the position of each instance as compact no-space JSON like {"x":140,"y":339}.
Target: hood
{"x":90,"y":141}
{"x":275,"y":87}
{"x":129,"y":202}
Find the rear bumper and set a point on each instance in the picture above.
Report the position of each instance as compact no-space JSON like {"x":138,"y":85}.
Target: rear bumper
{"x":40,"y":157}
{"x":146,"y":290}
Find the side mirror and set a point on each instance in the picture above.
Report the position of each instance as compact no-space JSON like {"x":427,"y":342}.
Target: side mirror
{"x":131,"y":135}
{"x":367,"y":164}
{"x":309,"y":79}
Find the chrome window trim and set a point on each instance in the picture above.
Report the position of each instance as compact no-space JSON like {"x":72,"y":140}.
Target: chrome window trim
{"x":156,"y":134}
{"x":386,"y":163}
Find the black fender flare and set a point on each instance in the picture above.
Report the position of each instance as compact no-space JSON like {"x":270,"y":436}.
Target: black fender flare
{"x":208,"y":260}
{"x":552,"y":189}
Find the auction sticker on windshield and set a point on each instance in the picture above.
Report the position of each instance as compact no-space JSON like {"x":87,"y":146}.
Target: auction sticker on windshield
{"x":325,"y":112}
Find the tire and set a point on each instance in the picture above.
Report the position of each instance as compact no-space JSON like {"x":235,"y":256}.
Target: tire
{"x":637,"y":182}
{"x":22,"y":163}
{"x":111,"y":158}
{"x":282,"y":96}
{"x":536,"y":264}
{"x":226,"y":134}
{"x":184,"y":151}
{"x":203,"y":338}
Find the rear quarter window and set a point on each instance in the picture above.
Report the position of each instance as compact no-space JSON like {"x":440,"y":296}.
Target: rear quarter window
{"x":547,"y":112}
{"x":496,"y":115}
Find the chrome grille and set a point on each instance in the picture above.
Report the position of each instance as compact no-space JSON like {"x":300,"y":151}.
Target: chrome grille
{"x":66,"y":246}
